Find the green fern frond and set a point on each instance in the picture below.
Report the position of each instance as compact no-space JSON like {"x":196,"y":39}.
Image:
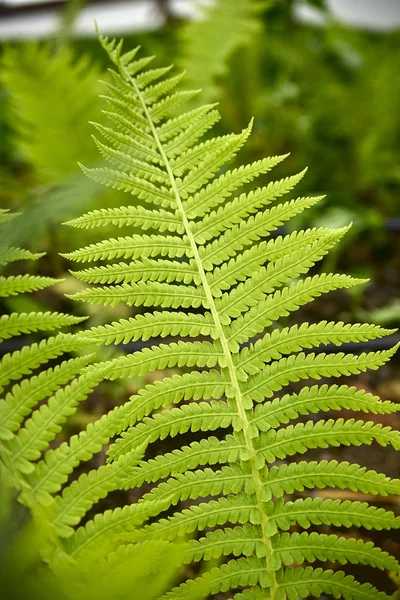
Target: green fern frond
{"x":159,"y":323}
{"x":22,"y":362}
{"x":135,"y":246}
{"x":293,"y":339}
{"x":318,"y":399}
{"x":25,"y":395}
{"x":6,"y":215}
{"x":202,"y":416}
{"x":8,"y":255}
{"x":18,"y":324}
{"x":303,"y":581}
{"x":214,"y":261}
{"x":129,"y":215}
{"x":45,"y":423}
{"x":26,"y":429}
{"x":89,"y":488}
{"x":309,"y":475}
{"x":144,"y":270}
{"x":232,"y":509}
{"x":303,"y":366}
{"x":21,"y":284}
{"x":157,"y":358}
{"x":283,"y":302}
{"x":207,"y":274}
{"x":319,"y":511}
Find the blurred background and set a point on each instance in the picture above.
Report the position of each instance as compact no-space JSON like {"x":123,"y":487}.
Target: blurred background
{"x":321,"y":78}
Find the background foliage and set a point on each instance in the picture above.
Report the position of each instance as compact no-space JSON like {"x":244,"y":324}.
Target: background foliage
{"x":329,"y":96}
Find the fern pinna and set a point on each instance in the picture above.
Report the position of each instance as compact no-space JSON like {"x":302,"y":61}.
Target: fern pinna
{"x":26,"y":427}
{"x":207,"y":277}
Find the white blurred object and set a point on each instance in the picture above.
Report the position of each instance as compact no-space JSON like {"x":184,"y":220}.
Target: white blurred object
{"x":125,"y":16}
{"x":116,"y":17}
{"x":16,"y":3}
{"x":374,"y":15}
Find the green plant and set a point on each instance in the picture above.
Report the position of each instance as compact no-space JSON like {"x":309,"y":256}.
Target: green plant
{"x":212,"y":270}
{"x":205,"y":52}
{"x":52,"y":96}
{"x":22,"y":397}
{"x":23,"y":573}
{"x":205,"y":256}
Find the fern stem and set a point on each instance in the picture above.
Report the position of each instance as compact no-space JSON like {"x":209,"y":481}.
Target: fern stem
{"x":224,"y":343}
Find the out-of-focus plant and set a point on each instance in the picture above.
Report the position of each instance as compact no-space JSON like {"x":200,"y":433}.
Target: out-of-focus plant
{"x":49,"y":98}
{"x":207,"y":43}
{"x":52,"y":97}
{"x":143,"y":572}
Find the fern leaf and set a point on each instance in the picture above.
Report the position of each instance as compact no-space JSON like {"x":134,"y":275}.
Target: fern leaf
{"x":318,"y":511}
{"x":244,"y":540}
{"x":222,"y":187}
{"x":22,"y":284}
{"x":318,"y":399}
{"x":191,"y":417}
{"x":45,"y":423}
{"x":88,"y":489}
{"x":297,"y":548}
{"x":22,"y":362}
{"x":266,"y":280}
{"x":171,"y":390}
{"x":235,"y":573}
{"x":302,"y":366}
{"x":193,"y":157}
{"x":135,"y":246}
{"x":189,"y":136}
{"x":27,"y":394}
{"x":8,"y":255}
{"x":210,"y":256}
{"x":20,"y":323}
{"x":208,"y":451}
{"x":292,"y":339}
{"x":127,"y":162}
{"x":124,"y":216}
{"x":106,"y":526}
{"x":166,"y":106}
{"x":201,"y":484}
{"x":245,"y":264}
{"x":130,"y":183}
{"x":251,"y":230}
{"x":51,"y":473}
{"x":300,"y":582}
{"x":233,"y":509}
{"x":177,"y":126}
{"x":299,"y":438}
{"x":211,"y":163}
{"x":151,"y":325}
{"x":144,"y":270}
{"x":6,"y":215}
{"x":285,"y":301}
{"x":145,"y":293}
{"x":309,"y":475}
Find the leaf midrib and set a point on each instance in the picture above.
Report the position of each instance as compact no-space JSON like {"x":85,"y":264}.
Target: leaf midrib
{"x":224,"y":343}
